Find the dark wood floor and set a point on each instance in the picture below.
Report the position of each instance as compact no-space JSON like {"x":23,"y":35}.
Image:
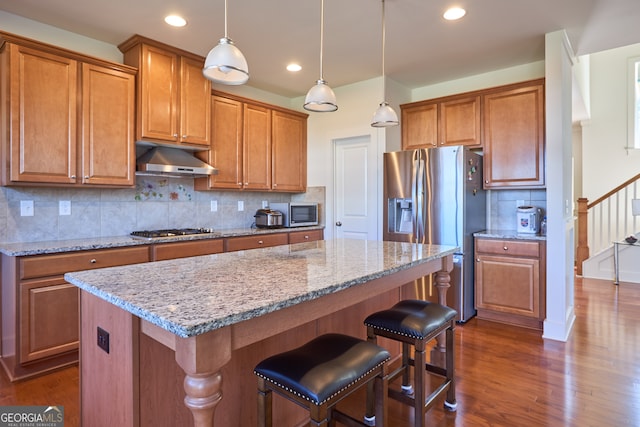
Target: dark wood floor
{"x":507,"y":376}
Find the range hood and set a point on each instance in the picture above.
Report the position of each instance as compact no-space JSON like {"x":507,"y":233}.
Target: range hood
{"x":172,"y":162}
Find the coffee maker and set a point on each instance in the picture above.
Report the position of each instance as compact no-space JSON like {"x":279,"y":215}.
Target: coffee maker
{"x":528,"y":219}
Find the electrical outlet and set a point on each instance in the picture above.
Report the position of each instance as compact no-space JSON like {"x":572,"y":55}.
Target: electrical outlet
{"x":64,"y":207}
{"x":214,"y":206}
{"x":103,"y":339}
{"x":265,"y":204}
{"x":26,"y":207}
{"x":240,"y":205}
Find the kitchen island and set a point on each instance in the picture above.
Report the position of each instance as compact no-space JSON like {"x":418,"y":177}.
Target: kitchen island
{"x":156,"y":335}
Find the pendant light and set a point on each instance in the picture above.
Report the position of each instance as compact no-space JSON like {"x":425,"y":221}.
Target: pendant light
{"x":225,"y":63}
{"x":384,"y":116}
{"x":321,"y":98}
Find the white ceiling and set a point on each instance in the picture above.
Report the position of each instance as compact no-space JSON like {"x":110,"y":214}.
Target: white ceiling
{"x":422,"y":48}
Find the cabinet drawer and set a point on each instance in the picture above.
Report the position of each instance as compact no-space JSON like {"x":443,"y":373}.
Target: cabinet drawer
{"x":252,"y":242}
{"x":54,"y":265}
{"x":305,"y":236}
{"x":508,"y":247}
{"x":164,"y":251}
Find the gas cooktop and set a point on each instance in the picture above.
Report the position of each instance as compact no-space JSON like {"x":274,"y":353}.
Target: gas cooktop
{"x":173,"y":232}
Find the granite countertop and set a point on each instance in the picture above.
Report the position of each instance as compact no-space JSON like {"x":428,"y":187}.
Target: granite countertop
{"x":508,"y":234}
{"x":191,"y":296}
{"x":58,"y":246}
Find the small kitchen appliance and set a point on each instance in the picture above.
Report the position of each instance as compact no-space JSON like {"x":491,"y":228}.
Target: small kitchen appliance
{"x":297,"y":214}
{"x":268,"y":218}
{"x":528,"y":219}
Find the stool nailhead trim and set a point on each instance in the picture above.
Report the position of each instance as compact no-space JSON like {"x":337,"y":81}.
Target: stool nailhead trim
{"x":334,"y":394}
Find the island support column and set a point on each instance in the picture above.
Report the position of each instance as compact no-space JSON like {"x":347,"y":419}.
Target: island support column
{"x":202,"y":357}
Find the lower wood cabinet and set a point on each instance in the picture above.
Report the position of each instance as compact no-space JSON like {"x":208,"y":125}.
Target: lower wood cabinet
{"x":163,"y":251}
{"x":40,"y":311}
{"x":305,"y":236}
{"x":510,"y":281}
{"x":257,"y":241}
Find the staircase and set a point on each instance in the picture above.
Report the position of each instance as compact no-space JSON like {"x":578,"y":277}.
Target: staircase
{"x":602,"y":222}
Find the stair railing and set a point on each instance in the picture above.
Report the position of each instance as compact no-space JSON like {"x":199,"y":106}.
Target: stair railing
{"x":606,"y":220}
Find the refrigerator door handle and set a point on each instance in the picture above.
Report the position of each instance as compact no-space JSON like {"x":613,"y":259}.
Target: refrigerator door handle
{"x":414,"y":194}
{"x":419,"y":197}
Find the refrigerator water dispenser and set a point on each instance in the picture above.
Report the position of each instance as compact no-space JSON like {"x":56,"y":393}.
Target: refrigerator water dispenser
{"x":400,"y":216}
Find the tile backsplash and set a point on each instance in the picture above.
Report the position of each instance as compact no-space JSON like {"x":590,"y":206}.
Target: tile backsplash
{"x":502,"y":205}
{"x":155,"y":203}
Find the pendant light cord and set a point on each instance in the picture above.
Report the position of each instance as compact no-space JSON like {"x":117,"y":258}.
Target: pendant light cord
{"x":321,"y":36}
{"x":384,"y":83}
{"x":226,"y":36}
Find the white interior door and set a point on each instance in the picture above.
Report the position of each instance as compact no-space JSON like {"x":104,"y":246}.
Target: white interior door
{"x":355,"y":193}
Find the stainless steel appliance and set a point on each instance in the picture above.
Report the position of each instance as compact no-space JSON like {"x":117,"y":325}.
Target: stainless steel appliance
{"x":297,"y":214}
{"x":173,"y":232}
{"x":268,"y":218}
{"x":435,"y":196}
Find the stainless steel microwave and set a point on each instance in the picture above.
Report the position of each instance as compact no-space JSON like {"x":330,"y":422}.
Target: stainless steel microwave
{"x":297,"y":214}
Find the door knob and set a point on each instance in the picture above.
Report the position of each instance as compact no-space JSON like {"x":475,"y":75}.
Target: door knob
{"x":338,"y":224}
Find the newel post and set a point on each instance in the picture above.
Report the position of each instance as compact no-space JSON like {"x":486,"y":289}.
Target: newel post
{"x":582,"y":251}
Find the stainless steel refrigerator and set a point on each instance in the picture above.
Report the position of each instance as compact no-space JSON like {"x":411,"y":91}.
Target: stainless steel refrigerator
{"x":435,"y":196}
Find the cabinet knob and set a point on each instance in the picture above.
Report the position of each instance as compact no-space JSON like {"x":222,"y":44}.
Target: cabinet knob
{"x":184,"y":136}
{"x":86,"y":177}
{"x":93,"y":261}
{"x":260,"y":242}
{"x":175,"y":135}
{"x":306,"y":237}
{"x":73,"y":177}
{"x":505,"y":248}
{"x":477,"y":259}
{"x":486,"y":181}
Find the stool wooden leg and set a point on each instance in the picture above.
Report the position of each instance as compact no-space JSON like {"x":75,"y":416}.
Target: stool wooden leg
{"x":450,"y":403}
{"x":319,"y":416}
{"x":369,"y":415}
{"x":382,"y":399}
{"x":406,"y":381}
{"x":419,"y":374}
{"x":265,"y":415}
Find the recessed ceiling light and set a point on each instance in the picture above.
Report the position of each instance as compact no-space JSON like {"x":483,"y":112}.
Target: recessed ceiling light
{"x":294,"y":67}
{"x":454,"y":13}
{"x":175,"y":21}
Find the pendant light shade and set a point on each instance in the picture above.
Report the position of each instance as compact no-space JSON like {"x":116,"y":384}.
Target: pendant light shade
{"x":384,"y":116}
{"x":321,"y":98}
{"x":225,"y":63}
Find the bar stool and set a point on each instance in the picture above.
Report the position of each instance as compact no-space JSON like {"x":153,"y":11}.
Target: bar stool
{"x":319,"y":374}
{"x":416,"y":323}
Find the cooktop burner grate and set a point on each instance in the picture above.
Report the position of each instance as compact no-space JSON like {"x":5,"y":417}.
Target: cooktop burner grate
{"x":173,"y":232}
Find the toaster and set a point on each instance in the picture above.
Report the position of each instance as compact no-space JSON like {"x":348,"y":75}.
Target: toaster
{"x":268,"y":218}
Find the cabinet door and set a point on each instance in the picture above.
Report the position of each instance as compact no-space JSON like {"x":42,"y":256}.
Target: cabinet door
{"x":256,"y":147}
{"x":48,"y":319}
{"x":195,"y":103}
{"x":508,"y":285}
{"x":158,"y":92}
{"x":175,"y":250}
{"x":514,"y":138}
{"x":460,"y":122}
{"x":420,"y":126}
{"x":226,"y":145}
{"x":108,"y":112}
{"x":43,"y":136}
{"x":289,"y":152}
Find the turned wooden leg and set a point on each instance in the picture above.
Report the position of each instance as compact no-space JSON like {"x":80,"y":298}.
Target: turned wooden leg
{"x":204,"y":392}
{"x":443,"y":282}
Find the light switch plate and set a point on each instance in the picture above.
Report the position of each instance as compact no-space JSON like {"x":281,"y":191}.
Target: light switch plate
{"x":26,"y":207}
{"x":214,"y":206}
{"x":240,"y":205}
{"x":265,"y":204}
{"x":64,"y":207}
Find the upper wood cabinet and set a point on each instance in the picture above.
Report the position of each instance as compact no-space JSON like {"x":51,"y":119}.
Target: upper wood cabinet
{"x":289,"y":153}
{"x":69,"y":118}
{"x":255,"y":146}
{"x":173,"y":97}
{"x":514,"y":136}
{"x":452,"y":120}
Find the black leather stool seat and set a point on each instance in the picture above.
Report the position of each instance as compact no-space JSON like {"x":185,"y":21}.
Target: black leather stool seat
{"x":320,"y":373}
{"x":412,"y":318}
{"x":415,"y":323}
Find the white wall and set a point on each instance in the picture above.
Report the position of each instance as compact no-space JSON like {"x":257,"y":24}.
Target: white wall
{"x":606,"y":162}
